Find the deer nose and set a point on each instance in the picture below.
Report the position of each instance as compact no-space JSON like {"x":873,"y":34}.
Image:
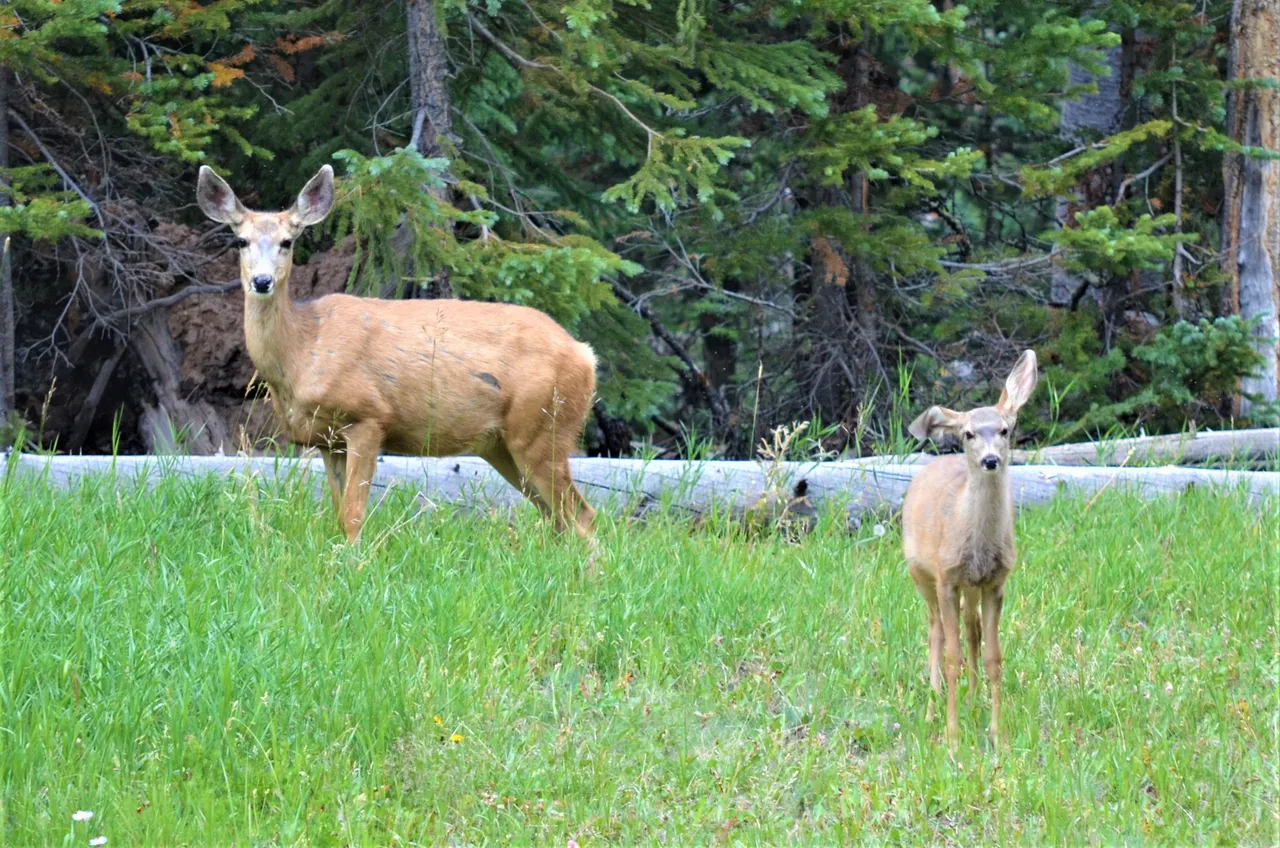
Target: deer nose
{"x":991,"y":463}
{"x":262,"y":283}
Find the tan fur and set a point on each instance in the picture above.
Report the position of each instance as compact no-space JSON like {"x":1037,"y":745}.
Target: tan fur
{"x":957,"y":530}
{"x":353,"y":376}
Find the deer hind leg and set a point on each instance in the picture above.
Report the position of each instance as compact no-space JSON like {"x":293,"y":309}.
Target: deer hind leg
{"x":335,"y":469}
{"x":541,"y":451}
{"x":546,"y":467}
{"x":992,"y":604}
{"x":949,"y":610}
{"x":973,"y":633}
{"x":929,"y":591}
{"x":364,"y":441}
{"x":505,"y":464}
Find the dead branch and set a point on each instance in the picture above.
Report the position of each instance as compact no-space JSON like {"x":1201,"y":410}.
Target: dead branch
{"x":169,"y":300}
{"x":719,"y":409}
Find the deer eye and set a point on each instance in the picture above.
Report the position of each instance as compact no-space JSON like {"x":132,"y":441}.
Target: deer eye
{"x":968,"y":434}
{"x":239,"y":244}
{"x":1004,"y":431}
{"x":286,"y":244}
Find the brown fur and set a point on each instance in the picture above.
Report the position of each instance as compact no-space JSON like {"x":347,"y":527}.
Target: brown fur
{"x":957,"y":526}
{"x":354,"y":376}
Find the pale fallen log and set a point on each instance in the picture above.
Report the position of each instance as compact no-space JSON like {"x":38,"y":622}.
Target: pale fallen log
{"x":1228,"y":447}
{"x":860,"y":486}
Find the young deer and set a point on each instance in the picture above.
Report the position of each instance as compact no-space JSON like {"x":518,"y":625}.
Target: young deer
{"x":957,"y":532}
{"x":353,"y":376}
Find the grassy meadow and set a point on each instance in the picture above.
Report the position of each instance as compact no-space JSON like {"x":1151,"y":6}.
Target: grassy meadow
{"x":207,"y":663}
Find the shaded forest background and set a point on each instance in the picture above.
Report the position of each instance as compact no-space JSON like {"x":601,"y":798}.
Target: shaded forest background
{"x":757,"y":213}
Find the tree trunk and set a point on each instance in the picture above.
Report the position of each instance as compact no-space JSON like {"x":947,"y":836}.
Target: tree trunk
{"x":7,"y":329}
{"x":432,"y":120}
{"x":428,"y":81}
{"x":1100,"y":113}
{"x":830,"y":327}
{"x":842,"y":309}
{"x":1251,"y":223}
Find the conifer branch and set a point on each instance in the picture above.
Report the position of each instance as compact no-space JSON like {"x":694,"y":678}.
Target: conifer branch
{"x":517,"y":59}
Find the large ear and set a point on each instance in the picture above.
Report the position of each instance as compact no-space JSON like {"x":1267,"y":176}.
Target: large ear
{"x":216,"y":198}
{"x":935,"y":423}
{"x":316,"y":198}
{"x":1020,"y":384}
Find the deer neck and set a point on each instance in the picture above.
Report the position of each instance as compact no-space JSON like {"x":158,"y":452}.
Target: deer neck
{"x":988,"y":504}
{"x":275,"y":331}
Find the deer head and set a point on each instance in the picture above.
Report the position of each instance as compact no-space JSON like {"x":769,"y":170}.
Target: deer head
{"x":265,"y":239}
{"x":984,"y":432}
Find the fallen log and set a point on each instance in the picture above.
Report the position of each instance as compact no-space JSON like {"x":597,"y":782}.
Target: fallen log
{"x":875,"y":485}
{"x":1228,"y":447}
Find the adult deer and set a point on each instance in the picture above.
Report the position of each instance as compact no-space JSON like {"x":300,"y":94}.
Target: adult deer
{"x":353,"y":376}
{"x":957,"y":531}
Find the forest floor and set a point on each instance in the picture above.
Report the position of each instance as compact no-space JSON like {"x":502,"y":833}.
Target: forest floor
{"x":207,"y":663}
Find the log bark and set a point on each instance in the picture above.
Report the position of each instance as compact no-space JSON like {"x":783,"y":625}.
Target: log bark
{"x":1230,"y":447}
{"x":1251,"y":221}
{"x":874,"y":485}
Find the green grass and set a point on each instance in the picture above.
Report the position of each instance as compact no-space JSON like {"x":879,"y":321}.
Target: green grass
{"x":207,"y":663}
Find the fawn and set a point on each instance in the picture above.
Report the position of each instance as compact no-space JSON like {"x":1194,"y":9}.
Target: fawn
{"x":957,"y":532}
{"x":352,"y":375}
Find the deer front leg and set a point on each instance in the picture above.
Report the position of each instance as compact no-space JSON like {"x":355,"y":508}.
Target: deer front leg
{"x":935,"y":658}
{"x":973,"y":635}
{"x":949,"y":609}
{"x":364,"y":441}
{"x":992,"y":603}
{"x":335,"y":470}
{"x":928,"y":588}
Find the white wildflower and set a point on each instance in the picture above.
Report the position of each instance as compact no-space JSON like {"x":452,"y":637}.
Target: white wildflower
{"x":82,"y":815}
{"x":98,"y":840}
{"x":879,"y":530}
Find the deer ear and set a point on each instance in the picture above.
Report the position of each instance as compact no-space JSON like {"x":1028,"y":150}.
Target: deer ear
{"x":935,"y":423}
{"x":216,"y":198}
{"x":316,"y":198}
{"x":1019,"y":385}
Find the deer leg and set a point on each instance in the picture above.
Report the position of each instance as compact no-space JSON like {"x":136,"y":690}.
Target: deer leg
{"x":935,"y":658}
{"x":545,"y":465}
{"x":992,"y":603}
{"x":949,"y":609}
{"x":364,"y":440}
{"x":335,"y":469}
{"x":929,"y":591}
{"x":973,"y":634}
{"x":500,"y":458}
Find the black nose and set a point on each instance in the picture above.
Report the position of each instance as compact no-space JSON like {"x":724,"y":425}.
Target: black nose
{"x":990,"y":463}
{"x":262,"y":283}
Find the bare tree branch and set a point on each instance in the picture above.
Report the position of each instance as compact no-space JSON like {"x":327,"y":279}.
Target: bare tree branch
{"x":719,"y":409}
